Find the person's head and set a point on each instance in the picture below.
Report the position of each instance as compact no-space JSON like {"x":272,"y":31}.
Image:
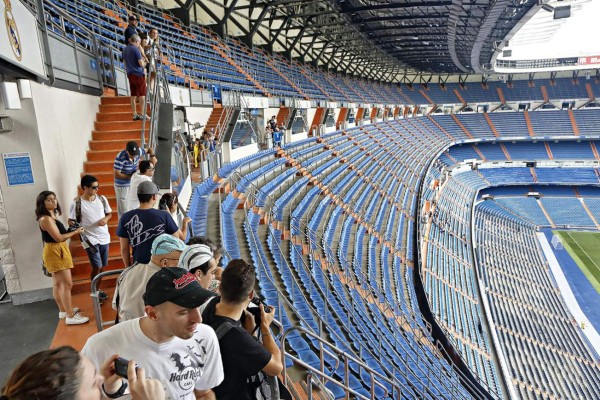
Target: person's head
{"x":171,"y":301}
{"x":153,"y":33}
{"x":46,"y":204}
{"x":166,"y":250}
{"x":133,"y":20}
{"x":237,"y":283}
{"x":146,"y":168}
{"x":199,"y":260}
{"x":135,"y":40}
{"x":60,"y":373}
{"x":132,"y":147}
{"x":143,"y":38}
{"x":168,"y":202}
{"x":147,"y":192}
{"x":89,"y":184}
{"x":216,"y":249}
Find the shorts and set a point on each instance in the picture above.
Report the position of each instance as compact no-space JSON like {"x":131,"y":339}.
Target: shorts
{"x":137,"y":85}
{"x":57,"y":257}
{"x":98,"y":259}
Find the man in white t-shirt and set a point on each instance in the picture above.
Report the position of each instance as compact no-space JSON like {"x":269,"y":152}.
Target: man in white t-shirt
{"x":128,"y":301}
{"x":92,"y":211}
{"x":145,"y":173}
{"x":170,"y":342}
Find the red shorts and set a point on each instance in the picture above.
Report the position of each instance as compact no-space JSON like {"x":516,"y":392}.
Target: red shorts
{"x":137,"y":85}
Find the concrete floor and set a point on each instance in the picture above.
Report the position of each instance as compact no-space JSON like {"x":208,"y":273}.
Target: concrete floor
{"x":24,"y":330}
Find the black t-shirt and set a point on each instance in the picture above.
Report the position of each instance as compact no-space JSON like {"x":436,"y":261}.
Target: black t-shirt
{"x":241,"y":354}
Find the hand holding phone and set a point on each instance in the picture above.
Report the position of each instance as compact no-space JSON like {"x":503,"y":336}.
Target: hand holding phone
{"x":121,"y":366}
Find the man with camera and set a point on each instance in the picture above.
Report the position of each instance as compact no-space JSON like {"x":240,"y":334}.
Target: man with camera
{"x":92,"y":211}
{"x":169,"y":342}
{"x":242,"y":354}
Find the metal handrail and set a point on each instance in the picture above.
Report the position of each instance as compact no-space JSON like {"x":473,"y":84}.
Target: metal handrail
{"x":95,"y":294}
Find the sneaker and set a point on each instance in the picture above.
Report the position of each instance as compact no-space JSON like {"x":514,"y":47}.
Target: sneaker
{"x":102,"y":296}
{"x":136,"y":117}
{"x":63,"y":314}
{"x":76,"y":319}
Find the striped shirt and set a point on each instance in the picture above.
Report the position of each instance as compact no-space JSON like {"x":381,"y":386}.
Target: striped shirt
{"x":127,"y":166}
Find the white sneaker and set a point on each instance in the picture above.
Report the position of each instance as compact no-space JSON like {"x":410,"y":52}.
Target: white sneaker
{"x":76,"y":319}
{"x":63,"y":314}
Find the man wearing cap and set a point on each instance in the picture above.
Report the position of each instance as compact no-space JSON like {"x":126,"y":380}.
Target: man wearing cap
{"x":125,"y":165}
{"x":170,"y":342}
{"x":131,"y":28}
{"x":138,"y":228}
{"x":145,"y":173}
{"x":131,"y":284}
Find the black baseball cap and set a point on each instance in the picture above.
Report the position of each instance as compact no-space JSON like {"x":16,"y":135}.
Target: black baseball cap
{"x":176,"y":285}
{"x":132,"y":147}
{"x":132,"y":18}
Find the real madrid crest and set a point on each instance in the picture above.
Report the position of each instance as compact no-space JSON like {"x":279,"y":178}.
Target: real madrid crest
{"x":13,"y":32}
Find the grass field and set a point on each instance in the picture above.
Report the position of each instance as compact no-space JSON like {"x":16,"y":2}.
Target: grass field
{"x":584,"y":248}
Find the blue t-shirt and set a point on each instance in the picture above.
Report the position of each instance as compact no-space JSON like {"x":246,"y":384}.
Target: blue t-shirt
{"x":131,"y":57}
{"x":127,"y":166}
{"x":141,"y":227}
{"x":129,"y":32}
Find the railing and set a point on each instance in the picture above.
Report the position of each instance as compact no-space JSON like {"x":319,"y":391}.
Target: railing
{"x":156,"y":93}
{"x":95,"y":294}
{"x":270,"y":211}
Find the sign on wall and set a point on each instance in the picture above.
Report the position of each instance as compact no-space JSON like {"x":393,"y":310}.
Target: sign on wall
{"x":19,"y":43}
{"x":18,"y":168}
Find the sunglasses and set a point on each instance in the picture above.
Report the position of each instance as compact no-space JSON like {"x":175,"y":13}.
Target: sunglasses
{"x":95,"y":187}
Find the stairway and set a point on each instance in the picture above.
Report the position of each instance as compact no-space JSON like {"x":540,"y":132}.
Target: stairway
{"x":114,"y":127}
{"x":215,"y":117}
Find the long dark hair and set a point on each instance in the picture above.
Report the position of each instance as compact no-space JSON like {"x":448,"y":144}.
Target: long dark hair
{"x":47,"y":375}
{"x":40,"y":209}
{"x":167,"y":200}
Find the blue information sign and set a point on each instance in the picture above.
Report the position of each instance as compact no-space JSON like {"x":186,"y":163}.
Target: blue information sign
{"x":18,"y":168}
{"x":216,"y":92}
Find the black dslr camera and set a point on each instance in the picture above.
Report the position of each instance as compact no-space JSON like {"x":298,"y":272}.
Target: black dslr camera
{"x":76,"y":225}
{"x":255,"y":311}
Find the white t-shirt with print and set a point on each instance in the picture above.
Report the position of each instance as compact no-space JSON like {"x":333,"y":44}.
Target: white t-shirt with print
{"x":91,"y":213}
{"x":181,"y":365}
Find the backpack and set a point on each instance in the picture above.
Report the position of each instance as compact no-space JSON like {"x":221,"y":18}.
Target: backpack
{"x":78,"y":207}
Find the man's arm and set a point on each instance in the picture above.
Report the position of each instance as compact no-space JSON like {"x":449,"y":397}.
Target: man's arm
{"x":105,"y":220}
{"x":205,"y":394}
{"x":121,"y":175}
{"x":125,"y":251}
{"x":275,"y":366}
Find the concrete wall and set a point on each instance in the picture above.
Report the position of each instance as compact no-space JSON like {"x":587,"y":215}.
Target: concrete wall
{"x":54,"y":127}
{"x":65,"y":122}
{"x":20,"y":240}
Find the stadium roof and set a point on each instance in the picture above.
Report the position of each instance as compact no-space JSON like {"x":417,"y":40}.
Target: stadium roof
{"x":380,"y":39}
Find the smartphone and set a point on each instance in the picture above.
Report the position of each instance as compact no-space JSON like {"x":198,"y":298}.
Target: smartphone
{"x":121,"y":366}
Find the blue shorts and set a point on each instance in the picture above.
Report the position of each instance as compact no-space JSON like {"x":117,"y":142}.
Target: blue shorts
{"x":100,"y":258}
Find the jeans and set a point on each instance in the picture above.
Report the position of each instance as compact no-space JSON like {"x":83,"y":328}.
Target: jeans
{"x":98,"y":259}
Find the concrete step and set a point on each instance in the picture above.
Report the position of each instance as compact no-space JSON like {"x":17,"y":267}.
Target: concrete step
{"x":114,"y":145}
{"x":89,"y":167}
{"x":115,"y":100}
{"x":101,"y":155}
{"x":126,"y":135}
{"x":118,"y":125}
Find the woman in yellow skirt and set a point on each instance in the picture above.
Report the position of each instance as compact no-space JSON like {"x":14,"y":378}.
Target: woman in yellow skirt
{"x":56,"y":255}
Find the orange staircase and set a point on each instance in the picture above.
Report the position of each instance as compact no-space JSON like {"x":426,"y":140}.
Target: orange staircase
{"x":241,"y":70}
{"x":359,"y":114}
{"x":528,"y":123}
{"x":550,"y":156}
{"x":464,"y":128}
{"x":505,"y":151}
{"x":317,"y":120}
{"x":459,"y":97}
{"x":533,"y":174}
{"x":590,"y":91}
{"x":594,"y":150}
{"x":374,"y":112}
{"x":215,"y":117}
{"x":491,"y":124}
{"x":573,"y":122}
{"x":424,"y":94}
{"x":282,"y":115}
{"x":342,"y":116}
{"x":544,"y":94}
{"x":114,"y":127}
{"x":479,"y":153}
{"x":501,"y":95}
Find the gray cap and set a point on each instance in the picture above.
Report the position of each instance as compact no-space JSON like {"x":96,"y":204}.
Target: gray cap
{"x":147,"y":187}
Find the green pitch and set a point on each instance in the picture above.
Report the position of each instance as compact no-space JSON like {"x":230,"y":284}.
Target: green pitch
{"x":584,"y":247}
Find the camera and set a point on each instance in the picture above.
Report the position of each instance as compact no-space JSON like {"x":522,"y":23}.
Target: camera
{"x":121,"y":366}
{"x":84,"y":239}
{"x":255,"y":311}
